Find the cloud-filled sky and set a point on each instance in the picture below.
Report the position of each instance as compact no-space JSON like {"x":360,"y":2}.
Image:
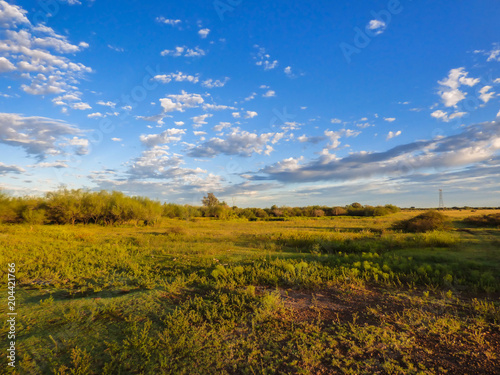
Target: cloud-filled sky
{"x":283,"y":102}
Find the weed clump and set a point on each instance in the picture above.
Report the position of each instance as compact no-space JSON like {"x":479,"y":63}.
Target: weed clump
{"x":484,"y":221}
{"x":426,"y":222}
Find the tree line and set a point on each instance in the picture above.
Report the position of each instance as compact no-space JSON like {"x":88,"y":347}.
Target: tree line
{"x":115,"y":208}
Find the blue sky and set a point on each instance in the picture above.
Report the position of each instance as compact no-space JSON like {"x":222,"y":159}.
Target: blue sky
{"x":283,"y":102}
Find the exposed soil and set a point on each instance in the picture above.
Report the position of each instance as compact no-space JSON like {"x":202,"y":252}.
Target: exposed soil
{"x":456,"y":355}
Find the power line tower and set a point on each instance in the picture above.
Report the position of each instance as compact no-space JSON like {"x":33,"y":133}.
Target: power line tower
{"x":441,"y":201}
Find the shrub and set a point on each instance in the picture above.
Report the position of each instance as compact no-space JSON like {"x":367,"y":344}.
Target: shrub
{"x":484,"y":221}
{"x":426,"y":222}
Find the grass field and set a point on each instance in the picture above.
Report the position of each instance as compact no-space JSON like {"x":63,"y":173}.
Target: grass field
{"x":304,"y":296}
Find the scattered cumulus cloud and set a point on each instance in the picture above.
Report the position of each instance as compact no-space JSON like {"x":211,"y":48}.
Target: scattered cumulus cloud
{"x":377,"y":26}
{"x":391,"y":134}
{"x":40,"y":137}
{"x":177,"y":77}
{"x":250,"y":114}
{"x":211,"y":83}
{"x":237,"y":142}
{"x":264,"y":60}
{"x":36,"y":54}
{"x":168,"y":136}
{"x":184,"y":51}
{"x":485,"y":94}
{"x":166,"y":21}
{"x":445,"y":117}
{"x":450,"y":87}
{"x":203,"y":33}
{"x":476,"y":144}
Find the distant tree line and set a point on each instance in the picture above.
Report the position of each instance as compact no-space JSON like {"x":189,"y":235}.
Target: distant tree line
{"x":115,"y":208}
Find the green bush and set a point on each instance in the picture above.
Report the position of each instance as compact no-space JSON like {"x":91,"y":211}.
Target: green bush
{"x":484,"y":221}
{"x":426,"y":222}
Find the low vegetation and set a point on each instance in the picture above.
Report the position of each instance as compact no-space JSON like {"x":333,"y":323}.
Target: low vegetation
{"x":484,"y":221}
{"x":114,"y":208}
{"x":341,"y":294}
{"x":425,"y":222}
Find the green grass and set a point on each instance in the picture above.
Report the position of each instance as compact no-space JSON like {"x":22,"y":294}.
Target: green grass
{"x":304,"y":296}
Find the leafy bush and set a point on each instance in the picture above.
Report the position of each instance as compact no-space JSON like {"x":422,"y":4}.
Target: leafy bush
{"x":484,"y":221}
{"x":357,"y":209}
{"x":426,"y":222}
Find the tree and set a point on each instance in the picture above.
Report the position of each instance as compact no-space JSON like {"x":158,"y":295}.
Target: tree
{"x":210,"y":201}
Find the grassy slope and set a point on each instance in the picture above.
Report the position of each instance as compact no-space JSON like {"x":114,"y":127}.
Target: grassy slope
{"x":325,"y":295}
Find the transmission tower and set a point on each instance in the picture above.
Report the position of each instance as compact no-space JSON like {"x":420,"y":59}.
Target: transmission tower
{"x":441,"y":202}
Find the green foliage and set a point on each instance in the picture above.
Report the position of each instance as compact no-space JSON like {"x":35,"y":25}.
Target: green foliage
{"x":484,"y":221}
{"x":425,"y":222}
{"x":356,"y":209}
{"x":304,"y":296}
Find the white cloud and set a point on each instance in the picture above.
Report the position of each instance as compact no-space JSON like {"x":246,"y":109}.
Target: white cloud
{"x":35,"y":52}
{"x":216,"y":107}
{"x":81,"y":106}
{"x":449,"y":92}
{"x":288,"y":71}
{"x":236,"y":114}
{"x":180,"y":102}
{"x":221,"y":126}
{"x":116,"y":49}
{"x":203,"y":33}
{"x":184,"y":51}
{"x":210,"y":83}
{"x":251,"y":114}
{"x":476,"y":144}
{"x":107,"y":104}
{"x":376,"y":25}
{"x":179,"y":123}
{"x":485,"y":94}
{"x":269,"y":94}
{"x":200,"y":120}
{"x":391,"y":134}
{"x":494,"y":54}
{"x":237,"y":142}
{"x":6,"y":65}
{"x":12,"y":15}
{"x":117,"y":139}
{"x":251,"y":97}
{"x":38,"y":136}
{"x":335,"y":136}
{"x":336,"y":121}
{"x":95,"y":115}
{"x":166,"y":21}
{"x":389,"y":119}
{"x":168,"y":136}
{"x":439,"y":114}
{"x":443,"y":116}
{"x":4,"y":169}
{"x":264,"y":59}
{"x":177,"y":77}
